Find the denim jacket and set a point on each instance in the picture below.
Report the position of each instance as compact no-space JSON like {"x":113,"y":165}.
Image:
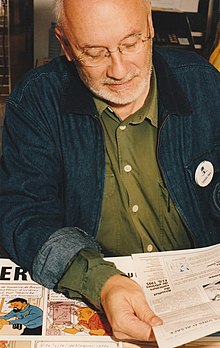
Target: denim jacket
{"x":53,"y":166}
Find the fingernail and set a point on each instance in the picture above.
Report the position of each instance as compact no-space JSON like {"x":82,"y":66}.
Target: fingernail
{"x":156,"y":321}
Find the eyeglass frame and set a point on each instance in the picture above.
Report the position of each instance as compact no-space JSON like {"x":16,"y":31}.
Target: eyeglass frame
{"x":68,"y":50}
{"x":68,"y":47}
{"x":108,"y":52}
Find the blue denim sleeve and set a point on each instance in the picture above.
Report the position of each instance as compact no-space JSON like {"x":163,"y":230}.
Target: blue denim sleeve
{"x":34,"y":223}
{"x":30,"y":176}
{"x":48,"y":266}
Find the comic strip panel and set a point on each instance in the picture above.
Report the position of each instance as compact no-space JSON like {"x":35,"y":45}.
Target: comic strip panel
{"x":21,"y":309}
{"x":72,"y":317}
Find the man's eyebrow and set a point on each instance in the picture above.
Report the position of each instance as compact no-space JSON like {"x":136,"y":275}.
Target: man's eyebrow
{"x":100,"y":46}
{"x":135,"y":32}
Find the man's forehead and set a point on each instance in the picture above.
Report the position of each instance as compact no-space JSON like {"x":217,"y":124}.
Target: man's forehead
{"x":77,"y":3}
{"x":85,"y":8}
{"x":100,"y":19}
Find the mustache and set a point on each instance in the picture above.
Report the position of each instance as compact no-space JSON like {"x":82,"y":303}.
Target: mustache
{"x":111,"y":81}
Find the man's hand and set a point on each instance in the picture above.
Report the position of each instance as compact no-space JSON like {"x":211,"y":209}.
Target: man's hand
{"x":127,"y":310}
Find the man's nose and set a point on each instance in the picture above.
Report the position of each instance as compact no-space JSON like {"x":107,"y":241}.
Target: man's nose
{"x":117,"y":65}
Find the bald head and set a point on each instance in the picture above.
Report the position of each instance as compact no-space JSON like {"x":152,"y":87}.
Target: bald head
{"x":90,"y":23}
{"x":87,"y":28}
{"x":62,"y":7}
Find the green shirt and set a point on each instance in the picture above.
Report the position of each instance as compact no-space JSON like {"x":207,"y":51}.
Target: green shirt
{"x":137,"y":212}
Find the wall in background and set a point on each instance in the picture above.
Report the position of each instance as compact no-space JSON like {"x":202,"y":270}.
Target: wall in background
{"x":43,"y":16}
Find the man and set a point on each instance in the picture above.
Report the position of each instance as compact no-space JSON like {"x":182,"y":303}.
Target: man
{"x":105,"y":153}
{"x":24,"y":314}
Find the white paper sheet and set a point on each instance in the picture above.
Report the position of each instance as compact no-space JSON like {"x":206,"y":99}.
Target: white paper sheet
{"x":180,"y":5}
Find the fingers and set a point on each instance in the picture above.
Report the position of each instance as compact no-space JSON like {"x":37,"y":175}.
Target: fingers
{"x":131,"y":328}
{"x":143,"y":311}
{"x":127,"y":310}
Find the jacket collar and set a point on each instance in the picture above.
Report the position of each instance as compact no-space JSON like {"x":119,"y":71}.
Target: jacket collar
{"x":170,"y":94}
{"x":78,"y":99}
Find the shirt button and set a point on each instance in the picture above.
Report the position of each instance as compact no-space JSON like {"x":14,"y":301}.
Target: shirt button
{"x":127,"y":168}
{"x":110,"y":109}
{"x":149,"y":248}
{"x":122,"y":127}
{"x":135,"y":208}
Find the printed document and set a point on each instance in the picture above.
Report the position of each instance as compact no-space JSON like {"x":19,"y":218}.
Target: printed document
{"x":183,"y":288}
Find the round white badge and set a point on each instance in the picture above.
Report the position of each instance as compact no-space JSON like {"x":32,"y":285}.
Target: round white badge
{"x":204,"y":173}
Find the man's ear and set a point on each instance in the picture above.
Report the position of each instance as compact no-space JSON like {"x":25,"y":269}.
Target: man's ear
{"x":64,"y":43}
{"x":149,"y":19}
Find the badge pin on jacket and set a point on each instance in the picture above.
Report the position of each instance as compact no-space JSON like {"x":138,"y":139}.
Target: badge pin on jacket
{"x":204,"y":173}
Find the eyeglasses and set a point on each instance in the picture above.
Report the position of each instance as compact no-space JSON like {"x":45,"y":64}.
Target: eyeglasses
{"x":95,"y":56}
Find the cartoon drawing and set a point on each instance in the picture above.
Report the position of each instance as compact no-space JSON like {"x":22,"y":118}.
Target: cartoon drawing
{"x":180,"y":266}
{"x":3,"y":344}
{"x":25,"y":314}
{"x":90,"y":322}
{"x":75,"y":317}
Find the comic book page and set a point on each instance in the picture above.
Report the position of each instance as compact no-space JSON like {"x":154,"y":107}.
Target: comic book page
{"x":32,"y":316}
{"x":21,"y":302}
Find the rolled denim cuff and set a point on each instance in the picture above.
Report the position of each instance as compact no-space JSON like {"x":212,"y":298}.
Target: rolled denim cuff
{"x":56,"y":254}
